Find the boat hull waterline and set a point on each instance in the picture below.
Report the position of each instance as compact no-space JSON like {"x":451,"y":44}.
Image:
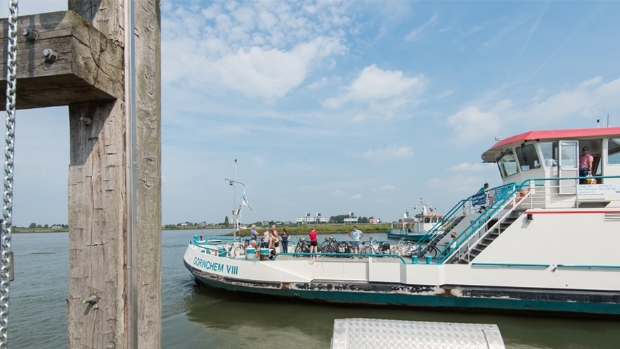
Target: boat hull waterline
{"x":505,"y":299}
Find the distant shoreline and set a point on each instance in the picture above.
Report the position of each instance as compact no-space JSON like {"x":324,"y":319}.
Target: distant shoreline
{"x":19,"y":230}
{"x":322,"y":229}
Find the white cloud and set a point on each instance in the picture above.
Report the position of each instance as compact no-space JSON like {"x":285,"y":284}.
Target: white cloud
{"x":462,"y":184}
{"x":592,"y":98}
{"x":336,"y":192}
{"x":258,"y":49}
{"x":471,"y":124}
{"x":391,"y":153}
{"x":376,"y":84}
{"x":317,"y":84}
{"x":467,"y":167}
{"x":271,"y":73}
{"x":444,"y":94}
{"x":418,"y":32}
{"x":386,"y":187}
{"x":356,"y":196}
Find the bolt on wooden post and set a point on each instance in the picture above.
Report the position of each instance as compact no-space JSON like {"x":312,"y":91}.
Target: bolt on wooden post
{"x":77,"y":58}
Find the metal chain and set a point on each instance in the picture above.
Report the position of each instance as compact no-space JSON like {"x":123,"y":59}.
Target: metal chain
{"x":11,"y":85}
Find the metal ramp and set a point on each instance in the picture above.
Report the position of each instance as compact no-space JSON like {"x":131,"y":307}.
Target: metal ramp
{"x":398,"y":334}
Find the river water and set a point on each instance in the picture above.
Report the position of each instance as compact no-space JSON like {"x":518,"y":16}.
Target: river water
{"x":202,"y":318}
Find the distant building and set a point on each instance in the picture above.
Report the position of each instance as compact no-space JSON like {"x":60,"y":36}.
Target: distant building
{"x":350,"y":220}
{"x":374,"y":221}
{"x":309,"y":219}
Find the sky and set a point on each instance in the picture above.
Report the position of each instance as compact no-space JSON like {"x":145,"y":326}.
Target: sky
{"x":337,"y":106}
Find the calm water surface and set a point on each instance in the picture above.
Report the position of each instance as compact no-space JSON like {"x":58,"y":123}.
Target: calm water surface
{"x":202,"y":318}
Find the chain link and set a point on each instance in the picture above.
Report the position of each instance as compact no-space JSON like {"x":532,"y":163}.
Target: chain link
{"x":11,"y":84}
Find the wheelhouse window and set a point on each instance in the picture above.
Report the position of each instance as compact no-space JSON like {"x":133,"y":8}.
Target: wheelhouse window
{"x":528,"y":157}
{"x":613,"y":151}
{"x":507,"y":163}
{"x":550,"y":153}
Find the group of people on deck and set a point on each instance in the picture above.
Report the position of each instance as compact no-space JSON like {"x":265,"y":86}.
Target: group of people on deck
{"x":355,"y":234}
{"x":271,"y":240}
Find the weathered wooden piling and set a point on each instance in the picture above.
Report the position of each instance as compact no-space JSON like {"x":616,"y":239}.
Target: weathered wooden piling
{"x":79,"y":59}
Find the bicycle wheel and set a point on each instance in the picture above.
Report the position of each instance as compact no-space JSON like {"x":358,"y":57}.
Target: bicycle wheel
{"x":432,"y":252}
{"x":331,"y":249}
{"x":236,"y":252}
{"x":367,"y":250}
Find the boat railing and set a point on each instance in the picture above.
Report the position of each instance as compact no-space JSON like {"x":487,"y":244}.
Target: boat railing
{"x":539,"y":193}
{"x":341,"y":256}
{"x":556,"y":193}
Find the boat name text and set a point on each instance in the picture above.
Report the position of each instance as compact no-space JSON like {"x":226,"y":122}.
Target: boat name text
{"x":214,"y":266}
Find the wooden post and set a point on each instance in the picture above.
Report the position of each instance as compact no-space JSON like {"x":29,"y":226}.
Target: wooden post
{"x":98,"y":313}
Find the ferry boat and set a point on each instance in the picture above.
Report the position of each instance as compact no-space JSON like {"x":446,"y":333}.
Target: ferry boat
{"x":546,"y":244}
{"x":414,"y":228}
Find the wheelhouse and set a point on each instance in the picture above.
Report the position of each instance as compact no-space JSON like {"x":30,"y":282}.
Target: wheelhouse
{"x":550,"y":159}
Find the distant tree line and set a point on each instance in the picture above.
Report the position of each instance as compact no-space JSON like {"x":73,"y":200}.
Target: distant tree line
{"x":35,"y":225}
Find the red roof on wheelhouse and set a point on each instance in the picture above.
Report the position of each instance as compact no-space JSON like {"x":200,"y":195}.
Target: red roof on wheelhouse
{"x":559,"y":134}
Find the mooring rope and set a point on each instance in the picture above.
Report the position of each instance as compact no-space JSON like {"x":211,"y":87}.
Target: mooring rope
{"x":9,"y":152}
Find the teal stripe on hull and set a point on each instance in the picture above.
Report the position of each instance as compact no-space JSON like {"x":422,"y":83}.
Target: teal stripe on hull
{"x":430,"y":301}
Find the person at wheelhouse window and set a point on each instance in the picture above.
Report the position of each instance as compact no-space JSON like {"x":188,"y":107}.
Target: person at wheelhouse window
{"x":549,"y":160}
{"x":585,"y":164}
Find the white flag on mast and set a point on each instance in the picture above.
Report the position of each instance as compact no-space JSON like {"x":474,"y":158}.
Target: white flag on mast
{"x":246,"y":202}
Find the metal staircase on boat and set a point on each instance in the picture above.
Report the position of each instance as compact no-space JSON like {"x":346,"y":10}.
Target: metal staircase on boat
{"x":482,"y":231}
{"x":450,"y":220}
{"x":491,"y":235}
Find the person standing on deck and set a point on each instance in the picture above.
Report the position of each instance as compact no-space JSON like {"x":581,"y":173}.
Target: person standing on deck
{"x":284,"y":237}
{"x":274,"y":232}
{"x":253,"y":233}
{"x":453,"y":241}
{"x":273,"y":237}
{"x":266,"y":239}
{"x":356,"y":235}
{"x":585,"y":164}
{"x":484,"y":188}
{"x":252,"y":245}
{"x":313,"y":241}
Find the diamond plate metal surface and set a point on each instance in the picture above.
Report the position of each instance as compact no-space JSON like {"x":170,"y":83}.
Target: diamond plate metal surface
{"x":384,"y":334}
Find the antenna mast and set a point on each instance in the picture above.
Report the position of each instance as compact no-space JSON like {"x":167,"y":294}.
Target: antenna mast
{"x":235,"y":211}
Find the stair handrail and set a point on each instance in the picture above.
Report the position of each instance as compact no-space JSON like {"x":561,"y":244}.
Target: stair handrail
{"x":459,"y":209}
{"x":477,"y":224}
{"x":430,"y":234}
{"x":515,"y":203}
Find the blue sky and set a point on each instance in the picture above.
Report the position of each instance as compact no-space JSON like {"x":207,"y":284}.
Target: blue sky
{"x":340,"y":106}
